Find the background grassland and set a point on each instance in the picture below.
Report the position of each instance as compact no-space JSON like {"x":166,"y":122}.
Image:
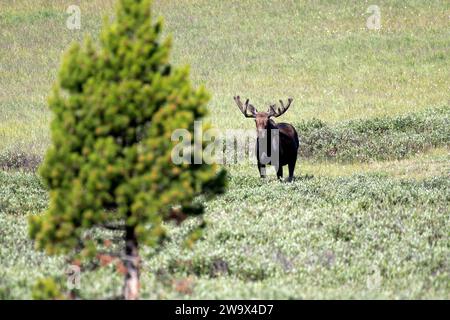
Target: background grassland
{"x":368,"y":215}
{"x":320,"y":53}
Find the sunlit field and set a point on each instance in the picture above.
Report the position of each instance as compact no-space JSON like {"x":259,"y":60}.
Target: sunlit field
{"x":368,"y":213}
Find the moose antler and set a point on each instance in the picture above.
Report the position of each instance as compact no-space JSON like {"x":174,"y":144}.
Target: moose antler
{"x":276,"y":113}
{"x":246,"y":108}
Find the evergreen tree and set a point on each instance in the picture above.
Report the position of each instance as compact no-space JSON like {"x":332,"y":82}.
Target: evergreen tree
{"x":115,"y":106}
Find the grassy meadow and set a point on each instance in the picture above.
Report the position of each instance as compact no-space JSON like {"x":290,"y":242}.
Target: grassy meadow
{"x":368,"y":214}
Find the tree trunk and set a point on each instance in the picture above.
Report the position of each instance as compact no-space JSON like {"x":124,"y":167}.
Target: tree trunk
{"x":131,"y":285}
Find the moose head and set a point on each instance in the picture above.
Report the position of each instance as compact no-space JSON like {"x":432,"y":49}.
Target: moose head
{"x":262,"y":119}
{"x":287,"y":143}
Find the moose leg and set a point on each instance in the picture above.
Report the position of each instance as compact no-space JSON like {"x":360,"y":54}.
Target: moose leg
{"x":262,"y":170}
{"x":280,"y":172}
{"x":291,"y":166}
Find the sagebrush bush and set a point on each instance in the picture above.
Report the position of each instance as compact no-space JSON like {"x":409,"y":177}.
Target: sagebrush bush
{"x":331,"y":232}
{"x":21,"y":193}
{"x":375,"y":139}
{"x":20,"y":158}
{"x":322,"y":227}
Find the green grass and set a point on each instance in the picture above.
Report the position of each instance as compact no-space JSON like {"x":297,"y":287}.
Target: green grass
{"x":320,"y":53}
{"x":376,"y":236}
{"x":367,"y":216}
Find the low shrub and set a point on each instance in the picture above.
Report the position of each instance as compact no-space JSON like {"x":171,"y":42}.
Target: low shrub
{"x":375,"y":139}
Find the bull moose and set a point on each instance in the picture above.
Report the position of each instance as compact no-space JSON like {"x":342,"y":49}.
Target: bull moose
{"x":281,"y":138}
